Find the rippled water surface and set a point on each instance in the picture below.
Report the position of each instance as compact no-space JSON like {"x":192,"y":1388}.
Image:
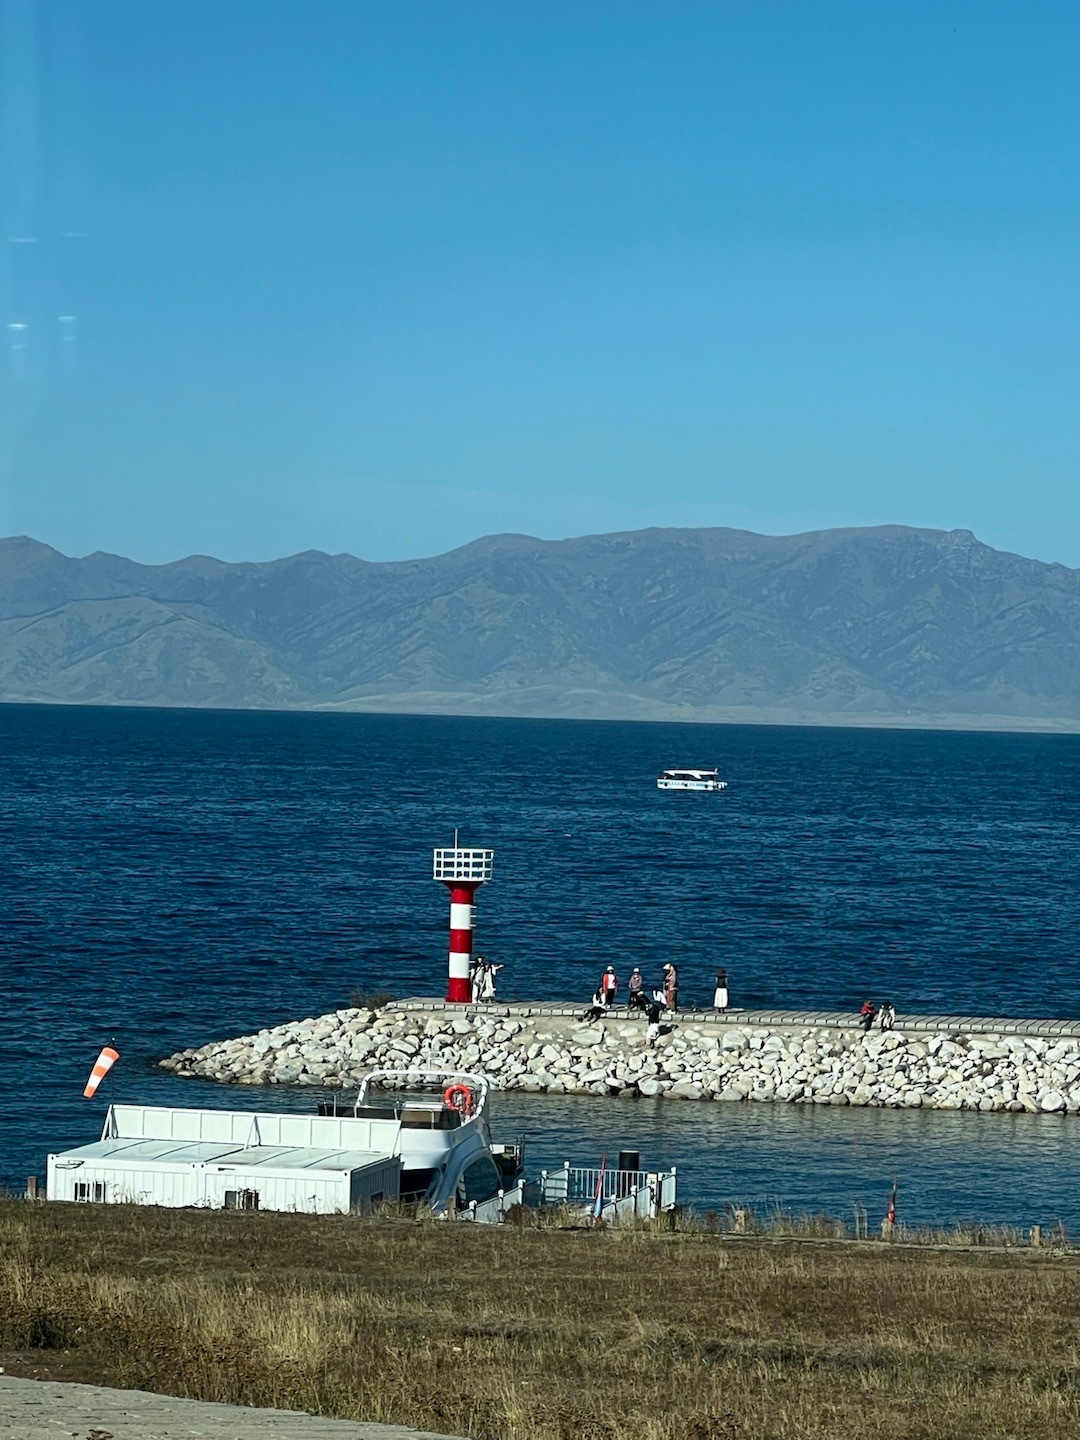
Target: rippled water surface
{"x":170,"y":876}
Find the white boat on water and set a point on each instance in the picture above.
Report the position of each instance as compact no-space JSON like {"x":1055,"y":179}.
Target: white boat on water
{"x":690,"y":780}
{"x":420,"y":1136}
{"x":448,"y":1161}
{"x":417,"y":1135}
{"x":450,"y":1164}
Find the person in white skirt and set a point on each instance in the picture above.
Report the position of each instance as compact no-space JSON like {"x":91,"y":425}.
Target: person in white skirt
{"x":720,"y":994}
{"x":487,"y":988}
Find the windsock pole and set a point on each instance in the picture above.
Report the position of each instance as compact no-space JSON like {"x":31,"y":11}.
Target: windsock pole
{"x":102,"y":1065}
{"x":598,"y":1198}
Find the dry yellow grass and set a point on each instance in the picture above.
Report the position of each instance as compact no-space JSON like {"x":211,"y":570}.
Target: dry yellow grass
{"x":525,"y":1334}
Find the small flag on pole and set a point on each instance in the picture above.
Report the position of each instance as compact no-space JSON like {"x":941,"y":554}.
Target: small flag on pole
{"x":598,"y":1202}
{"x":102,"y":1065}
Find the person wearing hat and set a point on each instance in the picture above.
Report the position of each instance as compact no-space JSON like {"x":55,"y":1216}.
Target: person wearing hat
{"x":609,"y":985}
{"x":635,"y":989}
{"x":671,"y":986}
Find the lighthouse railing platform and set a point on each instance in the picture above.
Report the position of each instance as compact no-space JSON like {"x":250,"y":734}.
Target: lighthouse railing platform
{"x":469,"y":867}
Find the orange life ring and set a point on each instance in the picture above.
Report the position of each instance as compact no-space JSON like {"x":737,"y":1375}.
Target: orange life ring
{"x":459,"y":1097}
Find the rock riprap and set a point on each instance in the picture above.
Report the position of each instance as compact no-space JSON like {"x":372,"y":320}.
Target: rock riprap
{"x":553,"y":1055}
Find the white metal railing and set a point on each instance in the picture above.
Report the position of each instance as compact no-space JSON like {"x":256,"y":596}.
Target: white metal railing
{"x":644,"y":1194}
{"x":622,"y":1192}
{"x":399,"y":1080}
{"x":474,"y":866}
{"x":490,"y":1212}
{"x":646,"y":1201}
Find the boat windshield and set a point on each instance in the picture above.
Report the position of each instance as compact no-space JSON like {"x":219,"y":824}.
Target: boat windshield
{"x":424,"y":1097}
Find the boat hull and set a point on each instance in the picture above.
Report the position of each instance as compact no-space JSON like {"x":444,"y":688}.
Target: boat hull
{"x":662,"y":784}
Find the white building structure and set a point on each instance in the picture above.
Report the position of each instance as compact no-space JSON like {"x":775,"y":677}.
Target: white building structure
{"x":233,"y":1160}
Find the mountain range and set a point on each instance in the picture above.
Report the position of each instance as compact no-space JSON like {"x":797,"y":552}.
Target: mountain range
{"x":885,"y":625}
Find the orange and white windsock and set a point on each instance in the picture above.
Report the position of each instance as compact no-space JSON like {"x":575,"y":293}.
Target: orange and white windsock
{"x":102,"y":1065}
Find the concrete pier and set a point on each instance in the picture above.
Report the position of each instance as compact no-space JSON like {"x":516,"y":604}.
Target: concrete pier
{"x":947,"y":1062}
{"x":772,"y":1019}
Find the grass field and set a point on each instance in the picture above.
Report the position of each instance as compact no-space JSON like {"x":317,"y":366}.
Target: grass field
{"x":546,"y":1334}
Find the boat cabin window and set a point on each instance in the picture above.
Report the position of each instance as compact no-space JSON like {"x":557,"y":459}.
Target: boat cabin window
{"x":90,"y":1191}
{"x":415,"y":1184}
{"x":480,"y":1181}
{"x":425,"y":1118}
{"x":433,"y":1117}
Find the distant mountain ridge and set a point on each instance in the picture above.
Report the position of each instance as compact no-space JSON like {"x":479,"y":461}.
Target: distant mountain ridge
{"x":882,"y":625}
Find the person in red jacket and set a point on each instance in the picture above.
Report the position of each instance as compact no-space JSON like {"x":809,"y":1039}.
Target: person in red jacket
{"x":609,"y":985}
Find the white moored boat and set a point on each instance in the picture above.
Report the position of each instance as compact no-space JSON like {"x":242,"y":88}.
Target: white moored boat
{"x":690,"y":780}
{"x":447,"y":1159}
{"x":414,"y":1135}
{"x":420,"y":1136}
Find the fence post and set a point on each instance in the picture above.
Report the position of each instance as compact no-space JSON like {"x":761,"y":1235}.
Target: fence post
{"x":31,"y":1187}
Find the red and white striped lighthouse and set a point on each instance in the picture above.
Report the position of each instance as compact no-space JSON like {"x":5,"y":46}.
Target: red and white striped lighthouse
{"x":462,"y":872}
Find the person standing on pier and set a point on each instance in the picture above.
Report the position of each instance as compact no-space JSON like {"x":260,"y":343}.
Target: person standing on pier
{"x":487,"y":986}
{"x":635,"y":989}
{"x":652,"y":1030}
{"x":888,"y":1016}
{"x":720,"y":994}
{"x":476,"y":978}
{"x":671,"y":986}
{"x":609,"y":986}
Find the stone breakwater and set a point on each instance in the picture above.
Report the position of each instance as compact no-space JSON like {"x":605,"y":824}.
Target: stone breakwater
{"x":706,"y":1060}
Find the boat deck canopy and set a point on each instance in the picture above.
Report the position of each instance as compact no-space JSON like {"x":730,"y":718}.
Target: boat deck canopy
{"x":121,"y":1152}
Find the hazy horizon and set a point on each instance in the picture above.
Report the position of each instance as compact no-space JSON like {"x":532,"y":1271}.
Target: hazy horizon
{"x":511,"y":534}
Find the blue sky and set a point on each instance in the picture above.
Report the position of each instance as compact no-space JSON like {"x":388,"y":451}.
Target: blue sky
{"x":385,"y":277}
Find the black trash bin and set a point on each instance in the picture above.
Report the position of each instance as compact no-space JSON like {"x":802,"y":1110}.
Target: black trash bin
{"x":629,"y":1165}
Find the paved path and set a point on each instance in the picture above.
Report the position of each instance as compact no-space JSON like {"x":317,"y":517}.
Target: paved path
{"x":45,"y":1410}
{"x":775,"y":1019}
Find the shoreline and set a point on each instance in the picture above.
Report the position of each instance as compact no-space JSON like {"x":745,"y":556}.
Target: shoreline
{"x":778,"y":1056}
{"x":421,"y":707}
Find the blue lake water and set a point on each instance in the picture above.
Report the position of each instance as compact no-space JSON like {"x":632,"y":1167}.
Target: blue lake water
{"x":171,"y":876}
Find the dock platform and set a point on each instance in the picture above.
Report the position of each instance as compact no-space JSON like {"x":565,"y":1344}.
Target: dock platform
{"x":1048,"y":1029}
